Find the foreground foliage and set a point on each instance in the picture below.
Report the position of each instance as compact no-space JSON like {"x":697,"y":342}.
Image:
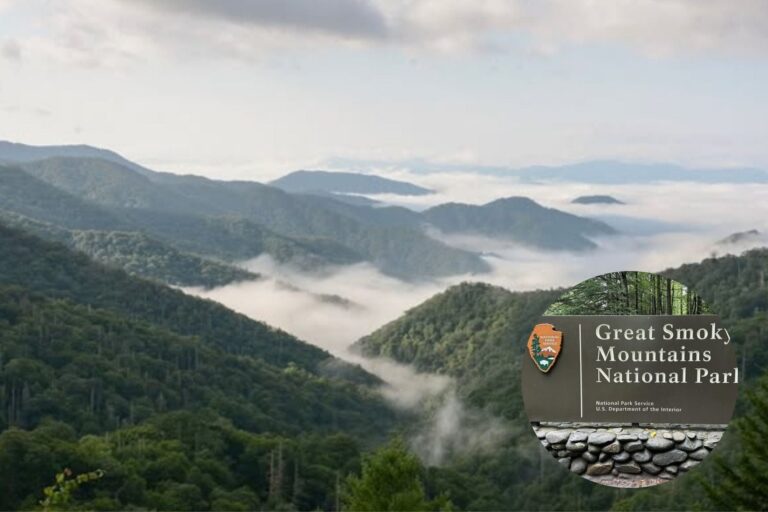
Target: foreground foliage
{"x":391,"y":480}
{"x":184,"y":404}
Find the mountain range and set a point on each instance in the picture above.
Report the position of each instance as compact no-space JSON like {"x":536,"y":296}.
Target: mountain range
{"x":345,"y":183}
{"x":592,"y":172}
{"x":230,"y":221}
{"x":522,"y":220}
{"x":186,"y":404}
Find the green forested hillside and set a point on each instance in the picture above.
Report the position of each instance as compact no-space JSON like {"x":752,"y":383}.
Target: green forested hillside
{"x":55,"y":271}
{"x":106,"y":183}
{"x":519,"y":219}
{"x":27,"y":201}
{"x":172,"y":204}
{"x":401,"y":250}
{"x":25,"y":195}
{"x":136,"y":253}
{"x":140,"y":255}
{"x":179,"y":399}
{"x":471,"y":332}
{"x":444,"y":333}
{"x":181,"y":460}
{"x":97,"y":370}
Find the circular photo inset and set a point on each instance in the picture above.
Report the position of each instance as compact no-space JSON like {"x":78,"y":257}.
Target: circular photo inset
{"x":629,"y":379}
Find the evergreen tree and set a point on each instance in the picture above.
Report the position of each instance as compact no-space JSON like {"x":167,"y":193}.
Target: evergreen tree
{"x":536,"y":346}
{"x":742,"y":484}
{"x":391,"y":479}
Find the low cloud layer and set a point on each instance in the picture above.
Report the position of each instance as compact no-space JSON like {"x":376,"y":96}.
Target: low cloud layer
{"x":701,"y":215}
{"x":452,"y":429}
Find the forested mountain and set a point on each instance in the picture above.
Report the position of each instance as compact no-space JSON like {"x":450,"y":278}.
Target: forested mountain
{"x":470,"y":332}
{"x":29,"y":200}
{"x":239,"y":220}
{"x":107,"y":183}
{"x":141,"y":255}
{"x":474,"y":331}
{"x":53,"y":270}
{"x":137,"y":254}
{"x":187,"y":405}
{"x":393,"y":239}
{"x":25,"y":195}
{"x":519,"y":219}
{"x":176,"y":398}
{"x":16,"y":152}
{"x":346,"y":182}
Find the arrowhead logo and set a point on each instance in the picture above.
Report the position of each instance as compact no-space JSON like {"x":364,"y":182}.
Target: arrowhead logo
{"x":544,"y":345}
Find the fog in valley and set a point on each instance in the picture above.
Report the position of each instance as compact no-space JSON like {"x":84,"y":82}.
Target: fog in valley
{"x":661,"y":226}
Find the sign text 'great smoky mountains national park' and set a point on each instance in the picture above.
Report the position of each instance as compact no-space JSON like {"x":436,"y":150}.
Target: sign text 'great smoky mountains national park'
{"x":640,"y":368}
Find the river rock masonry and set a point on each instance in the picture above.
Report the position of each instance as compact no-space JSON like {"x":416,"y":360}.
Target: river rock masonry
{"x":629,"y":452}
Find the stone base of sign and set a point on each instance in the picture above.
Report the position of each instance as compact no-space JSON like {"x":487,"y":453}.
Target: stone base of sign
{"x":635,"y":455}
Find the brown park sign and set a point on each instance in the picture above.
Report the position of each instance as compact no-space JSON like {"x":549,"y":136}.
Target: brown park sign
{"x":635,"y":368}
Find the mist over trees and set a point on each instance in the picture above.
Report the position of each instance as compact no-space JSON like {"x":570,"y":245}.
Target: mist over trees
{"x":475,"y":331}
{"x":187,"y":405}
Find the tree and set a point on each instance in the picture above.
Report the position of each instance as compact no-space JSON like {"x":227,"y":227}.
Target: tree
{"x":391,"y":479}
{"x":536,"y":346}
{"x":66,"y":483}
{"x":743,"y":484}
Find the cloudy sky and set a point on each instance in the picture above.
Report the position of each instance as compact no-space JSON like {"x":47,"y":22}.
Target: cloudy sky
{"x":252,"y":88}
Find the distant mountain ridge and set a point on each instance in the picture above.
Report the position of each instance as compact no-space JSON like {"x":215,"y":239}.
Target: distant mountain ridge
{"x":597,"y":199}
{"x":18,"y":153}
{"x":741,"y":237}
{"x":238,"y":220}
{"x":227,"y":220}
{"x":520,"y":219}
{"x":595,"y":171}
{"x":56,"y":214}
{"x":345,"y":182}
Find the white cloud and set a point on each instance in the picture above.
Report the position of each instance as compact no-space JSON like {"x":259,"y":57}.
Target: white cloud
{"x":103,"y":31}
{"x":10,"y":50}
{"x":658,"y":26}
{"x":450,"y":427}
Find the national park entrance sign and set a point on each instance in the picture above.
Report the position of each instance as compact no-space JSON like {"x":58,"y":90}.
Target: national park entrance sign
{"x":631,"y":369}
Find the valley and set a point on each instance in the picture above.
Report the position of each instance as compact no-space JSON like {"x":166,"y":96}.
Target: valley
{"x":154,"y":323}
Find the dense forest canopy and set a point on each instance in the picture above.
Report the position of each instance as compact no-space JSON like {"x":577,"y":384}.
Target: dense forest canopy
{"x":629,"y":293}
{"x":182,"y":402}
{"x":188,"y":406}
